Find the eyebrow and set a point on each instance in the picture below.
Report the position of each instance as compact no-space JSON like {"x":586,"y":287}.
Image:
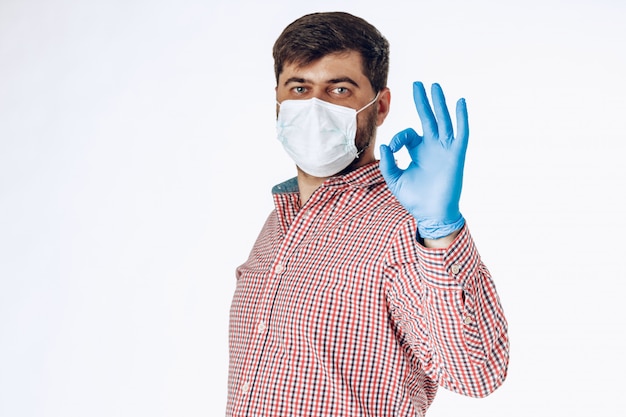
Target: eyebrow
{"x":331,"y":81}
{"x":343,"y":80}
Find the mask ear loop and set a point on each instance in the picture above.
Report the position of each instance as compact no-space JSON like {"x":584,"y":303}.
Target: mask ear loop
{"x":359,"y":111}
{"x":368,"y":104}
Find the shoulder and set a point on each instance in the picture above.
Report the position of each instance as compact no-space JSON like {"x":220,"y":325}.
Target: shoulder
{"x":387,"y":217}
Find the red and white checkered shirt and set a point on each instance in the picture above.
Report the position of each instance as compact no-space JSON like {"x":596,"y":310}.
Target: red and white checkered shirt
{"x":339,"y":311}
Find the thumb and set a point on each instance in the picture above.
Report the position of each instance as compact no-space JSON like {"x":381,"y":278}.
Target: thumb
{"x":388,"y":167}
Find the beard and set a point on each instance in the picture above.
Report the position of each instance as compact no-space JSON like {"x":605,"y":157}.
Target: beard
{"x":366,"y":133}
{"x":365,"y":136}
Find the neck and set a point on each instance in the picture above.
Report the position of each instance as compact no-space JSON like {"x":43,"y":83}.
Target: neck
{"x":307,"y":185}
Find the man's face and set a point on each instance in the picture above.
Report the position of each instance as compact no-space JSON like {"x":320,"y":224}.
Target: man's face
{"x":338,"y":79}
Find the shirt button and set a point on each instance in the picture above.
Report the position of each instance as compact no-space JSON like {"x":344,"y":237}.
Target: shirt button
{"x":260,"y":328}
{"x":279,"y":269}
{"x":467,"y":320}
{"x":245,"y":388}
{"x":455,"y":269}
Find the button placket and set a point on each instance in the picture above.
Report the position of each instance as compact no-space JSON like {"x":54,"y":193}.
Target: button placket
{"x":245,"y":388}
{"x":278,"y":269}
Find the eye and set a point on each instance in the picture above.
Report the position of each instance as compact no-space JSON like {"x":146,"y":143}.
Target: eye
{"x":340,"y":91}
{"x":299,"y":89}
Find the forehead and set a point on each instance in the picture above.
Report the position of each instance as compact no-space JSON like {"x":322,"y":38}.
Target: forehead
{"x":329,"y":67}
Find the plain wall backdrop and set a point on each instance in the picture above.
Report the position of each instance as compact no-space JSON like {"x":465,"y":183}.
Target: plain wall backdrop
{"x":137,"y":154}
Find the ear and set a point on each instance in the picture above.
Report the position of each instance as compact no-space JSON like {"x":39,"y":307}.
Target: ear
{"x":382,"y":105}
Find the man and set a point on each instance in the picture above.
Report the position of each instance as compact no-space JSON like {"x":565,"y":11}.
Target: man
{"x":364,"y":291}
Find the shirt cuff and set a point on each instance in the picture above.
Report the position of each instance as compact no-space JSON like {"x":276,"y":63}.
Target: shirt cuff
{"x":452,"y":266}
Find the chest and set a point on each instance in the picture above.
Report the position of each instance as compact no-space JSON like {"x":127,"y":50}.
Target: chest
{"x":323,"y":271}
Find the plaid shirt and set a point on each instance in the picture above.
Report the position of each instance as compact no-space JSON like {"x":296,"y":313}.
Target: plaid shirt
{"x":339,"y":311}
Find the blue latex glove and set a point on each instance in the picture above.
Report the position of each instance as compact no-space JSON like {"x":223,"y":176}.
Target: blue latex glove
{"x":430,"y":187}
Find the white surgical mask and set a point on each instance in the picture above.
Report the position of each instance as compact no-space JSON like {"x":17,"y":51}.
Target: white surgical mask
{"x":318,"y":135}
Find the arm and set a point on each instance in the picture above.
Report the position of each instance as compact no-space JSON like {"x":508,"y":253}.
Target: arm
{"x":446,"y":308}
{"x":443,"y":296}
{"x":441,"y":243}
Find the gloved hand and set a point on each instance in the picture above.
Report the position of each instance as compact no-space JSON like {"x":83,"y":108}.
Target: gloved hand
{"x":430,"y":187}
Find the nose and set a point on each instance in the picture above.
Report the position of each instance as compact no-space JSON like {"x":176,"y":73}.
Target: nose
{"x":319,"y":93}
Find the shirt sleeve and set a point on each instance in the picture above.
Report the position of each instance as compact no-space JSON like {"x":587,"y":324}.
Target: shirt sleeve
{"x":448,"y":313}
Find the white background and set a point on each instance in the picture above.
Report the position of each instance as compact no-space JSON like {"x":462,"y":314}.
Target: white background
{"x":137,"y":153}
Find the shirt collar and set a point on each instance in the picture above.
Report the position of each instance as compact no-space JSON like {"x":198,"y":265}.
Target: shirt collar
{"x":364,"y":176}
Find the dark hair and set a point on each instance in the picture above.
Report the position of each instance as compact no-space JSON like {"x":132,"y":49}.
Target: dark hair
{"x":316,"y":35}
